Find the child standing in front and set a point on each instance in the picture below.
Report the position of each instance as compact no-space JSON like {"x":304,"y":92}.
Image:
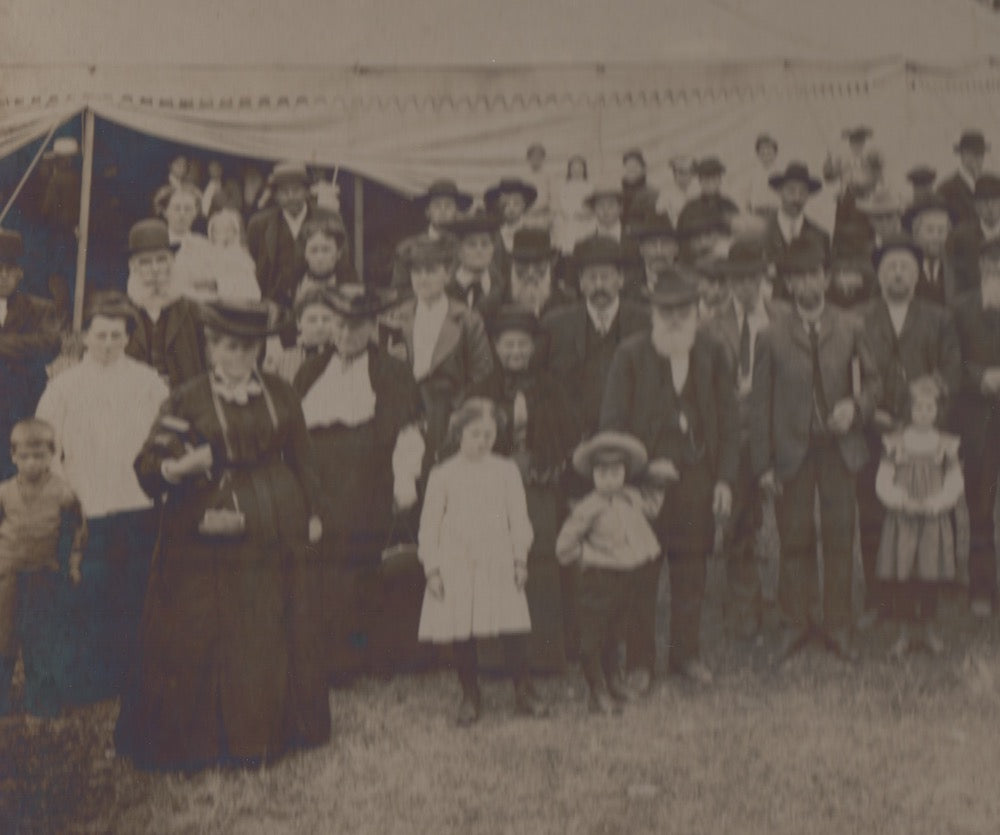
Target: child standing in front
{"x":919,"y":481}
{"x":473,"y":544}
{"x":33,"y":507}
{"x":609,"y":534}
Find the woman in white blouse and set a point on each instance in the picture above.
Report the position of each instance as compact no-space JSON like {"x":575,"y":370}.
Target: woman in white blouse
{"x":194,"y":265}
{"x":101,"y":410}
{"x":361,"y":408}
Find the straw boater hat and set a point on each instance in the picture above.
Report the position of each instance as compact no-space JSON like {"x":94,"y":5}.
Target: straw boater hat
{"x":240,"y":317}
{"x":445,"y":188}
{"x":610,"y":446}
{"x":288,"y":172}
{"x":11,"y":246}
{"x":149,"y":235}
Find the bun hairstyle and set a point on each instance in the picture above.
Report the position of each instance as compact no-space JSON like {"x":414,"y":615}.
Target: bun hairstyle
{"x":471,"y":410}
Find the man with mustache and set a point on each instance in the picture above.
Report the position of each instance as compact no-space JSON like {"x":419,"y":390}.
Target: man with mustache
{"x":658,"y":249}
{"x":815,"y":386}
{"x":674,"y":389}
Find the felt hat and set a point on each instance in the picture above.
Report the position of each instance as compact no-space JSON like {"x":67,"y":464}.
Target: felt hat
{"x":636,"y":154}
{"x":510,"y":185}
{"x":897,"y":241}
{"x":63,"y":146}
{"x":446,"y":188}
{"x":745,"y":259}
{"x":765,"y":139}
{"x":673,"y":289}
{"x":921,"y":176}
{"x":288,"y":172}
{"x":699,"y":219}
{"x":11,"y":246}
{"x":972,"y":141}
{"x":709,"y":167}
{"x":149,"y":235}
{"x":607,"y":446}
{"x":478,"y":223}
{"x":240,"y":317}
{"x":354,"y":300}
{"x":931,"y":203}
{"x":850,"y":253}
{"x":857,"y":134}
{"x":682,"y":162}
{"x":880,"y":202}
{"x":604,"y":188}
{"x":424,"y":252}
{"x":532,"y":244}
{"x":987,"y":187}
{"x":795,"y":172}
{"x":656,"y":225}
{"x":112,"y":304}
{"x":803,"y":255}
{"x":514,"y":317}
{"x":597,"y":249}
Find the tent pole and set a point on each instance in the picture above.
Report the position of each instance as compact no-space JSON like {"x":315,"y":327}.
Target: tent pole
{"x":86,"y":180}
{"x":359,"y":225}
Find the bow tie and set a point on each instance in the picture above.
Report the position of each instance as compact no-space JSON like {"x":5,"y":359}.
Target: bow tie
{"x":238,"y":393}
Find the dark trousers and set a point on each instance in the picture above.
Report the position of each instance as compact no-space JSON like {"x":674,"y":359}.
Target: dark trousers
{"x":915,"y":600}
{"x":515,"y":650}
{"x":822,"y":470}
{"x":686,"y":529}
{"x":981,"y":493}
{"x":739,"y":542}
{"x":871,"y":517}
{"x":605,"y":598}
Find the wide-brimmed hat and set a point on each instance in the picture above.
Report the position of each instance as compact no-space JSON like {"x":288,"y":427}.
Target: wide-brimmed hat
{"x":604,"y":188}
{"x":745,"y":259}
{"x":656,"y":225}
{"x":63,"y":146}
{"x":112,"y":304}
{"x":709,"y":167}
{"x":795,"y":172}
{"x":510,"y":185}
{"x":987,"y":187}
{"x":149,"y":235}
{"x":921,"y":176}
{"x":610,"y":445}
{"x":514,"y":317}
{"x":930,"y":203}
{"x":354,"y":300}
{"x":803,"y":255}
{"x":673,"y":288}
{"x":427,"y":252}
{"x":478,"y":223}
{"x":241,"y":317}
{"x":700,"y":218}
{"x":857,"y":133}
{"x":531,"y":244}
{"x":880,"y":202}
{"x":896,"y":241}
{"x":972,"y":141}
{"x":445,"y":188}
{"x":11,"y":246}
{"x":597,"y":249}
{"x":288,"y":172}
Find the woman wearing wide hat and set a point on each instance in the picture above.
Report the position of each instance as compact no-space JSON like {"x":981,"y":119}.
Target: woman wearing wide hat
{"x":230,"y":654}
{"x":361,"y":407}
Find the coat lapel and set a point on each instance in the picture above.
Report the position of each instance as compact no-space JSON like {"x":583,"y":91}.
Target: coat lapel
{"x":730,"y":328}
{"x":449,"y":336}
{"x":580,"y":332}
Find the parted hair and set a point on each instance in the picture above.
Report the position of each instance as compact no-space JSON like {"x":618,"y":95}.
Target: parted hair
{"x":33,"y":432}
{"x":470,"y":411}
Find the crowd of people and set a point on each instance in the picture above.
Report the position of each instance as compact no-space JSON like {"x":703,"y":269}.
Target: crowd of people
{"x":265,"y":476}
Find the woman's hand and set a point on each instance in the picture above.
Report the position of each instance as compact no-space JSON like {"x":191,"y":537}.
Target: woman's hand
{"x":75,"y":558}
{"x":435,"y":585}
{"x":520,"y":575}
{"x":315,"y":529}
{"x":196,"y":460}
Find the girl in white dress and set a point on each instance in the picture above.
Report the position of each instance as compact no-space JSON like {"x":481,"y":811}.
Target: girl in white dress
{"x":473,"y":544}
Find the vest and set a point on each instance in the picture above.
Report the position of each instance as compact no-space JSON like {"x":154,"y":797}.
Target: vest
{"x":598,"y":352}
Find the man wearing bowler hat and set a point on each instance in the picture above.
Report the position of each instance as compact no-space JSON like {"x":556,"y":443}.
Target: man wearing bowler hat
{"x":508,"y":201}
{"x":711,"y":199}
{"x":959,"y":189}
{"x":168,"y":334}
{"x":672,"y":387}
{"x":274,"y":234}
{"x":967,"y":238}
{"x":532,"y":273}
{"x":815,"y":386}
{"x":793,"y":187}
{"x":474,"y":278}
{"x":658,"y":249}
{"x":29,"y":338}
{"x":928,"y":222}
{"x":921,"y":179}
{"x":441,"y":204}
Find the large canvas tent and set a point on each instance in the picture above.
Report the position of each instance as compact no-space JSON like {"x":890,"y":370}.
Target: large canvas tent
{"x":725,"y":72}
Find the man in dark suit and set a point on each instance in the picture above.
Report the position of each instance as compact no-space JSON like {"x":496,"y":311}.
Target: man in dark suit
{"x":909,"y":337}
{"x":966,"y":239}
{"x":958,"y":190}
{"x":508,"y":200}
{"x":441,"y":204}
{"x":168,"y":334}
{"x":638,"y":197}
{"x":673,"y":388}
{"x":530,"y":283}
{"x":658,"y":249}
{"x":795,"y":185}
{"x":815,"y":386}
{"x":711,"y":199}
{"x":928,"y":222}
{"x":737,"y":326}
{"x":474,"y":278}
{"x":29,"y":338}
{"x":274,"y":235}
{"x":977,"y":320}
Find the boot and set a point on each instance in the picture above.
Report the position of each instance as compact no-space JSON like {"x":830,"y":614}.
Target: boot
{"x":471,"y":707}
{"x":527,"y":701}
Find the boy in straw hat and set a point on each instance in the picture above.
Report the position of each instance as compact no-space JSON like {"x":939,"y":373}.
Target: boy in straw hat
{"x":609,"y":535}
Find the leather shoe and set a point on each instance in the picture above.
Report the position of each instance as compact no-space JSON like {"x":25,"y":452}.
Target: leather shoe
{"x":641,"y":682}
{"x":793,"y":638}
{"x":601,"y":703}
{"x":696,"y":671}
{"x":527,"y":702}
{"x":842,"y":645}
{"x":469,"y":709}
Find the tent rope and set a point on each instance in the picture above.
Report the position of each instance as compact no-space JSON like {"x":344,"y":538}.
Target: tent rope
{"x":27,"y":173}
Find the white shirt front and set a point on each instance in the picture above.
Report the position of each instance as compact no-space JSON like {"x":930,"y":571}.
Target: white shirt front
{"x":466,"y":278}
{"x":507,"y":234}
{"x":3,"y":312}
{"x":679,"y":366}
{"x":610,"y":231}
{"x":341,"y":394}
{"x":427,"y":323}
{"x":897,"y":313}
{"x":790,"y":227}
{"x":295,"y":222}
{"x":101,"y":416}
{"x":603,"y":319}
{"x":756,"y":322}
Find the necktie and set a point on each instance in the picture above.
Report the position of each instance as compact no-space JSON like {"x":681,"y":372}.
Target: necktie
{"x":819,"y":396}
{"x":932,"y":271}
{"x":745,"y":347}
{"x":602,"y":324}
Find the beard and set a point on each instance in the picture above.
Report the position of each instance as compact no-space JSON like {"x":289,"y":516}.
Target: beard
{"x":531,"y":296}
{"x":146,"y":297}
{"x":674,"y":340}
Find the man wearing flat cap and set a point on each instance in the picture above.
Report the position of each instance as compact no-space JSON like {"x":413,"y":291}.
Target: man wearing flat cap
{"x":29,"y":338}
{"x":966,"y":238}
{"x":441,"y":204}
{"x":793,"y":187}
{"x":977,"y":410}
{"x":928,"y":222}
{"x":672,"y":387}
{"x":711,"y":200}
{"x":680,"y":189}
{"x":274,"y":234}
{"x":638,"y":197}
{"x":474,"y":279}
{"x":508,"y":201}
{"x":959,"y":189}
{"x":815,"y":386}
{"x":168,"y":334}
{"x":909,"y":338}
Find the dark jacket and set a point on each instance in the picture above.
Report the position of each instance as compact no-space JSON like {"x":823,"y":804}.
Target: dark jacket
{"x":184,"y":352}
{"x":979,"y":342}
{"x":956,"y":192}
{"x":775,"y":246}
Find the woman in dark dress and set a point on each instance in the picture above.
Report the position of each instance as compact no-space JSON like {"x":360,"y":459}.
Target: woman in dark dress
{"x":230,"y":661}
{"x":539,"y":435}
{"x":361,"y":407}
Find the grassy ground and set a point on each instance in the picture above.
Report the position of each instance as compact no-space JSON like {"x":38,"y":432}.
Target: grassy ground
{"x":911,"y":747}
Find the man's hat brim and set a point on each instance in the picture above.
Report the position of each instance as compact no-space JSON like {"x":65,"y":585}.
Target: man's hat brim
{"x":249,"y":320}
{"x":631,"y":450}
